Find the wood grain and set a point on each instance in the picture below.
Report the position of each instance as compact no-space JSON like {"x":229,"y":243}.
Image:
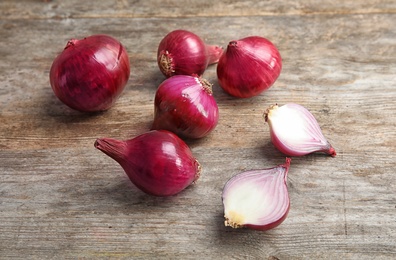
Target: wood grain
{"x":61,"y":198}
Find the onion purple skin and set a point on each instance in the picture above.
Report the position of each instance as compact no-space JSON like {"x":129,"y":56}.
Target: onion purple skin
{"x":185,"y":105}
{"x":289,"y":152}
{"x":182,"y":52}
{"x":271,"y":225}
{"x":90,"y":74}
{"x":158,"y":162}
{"x":249,"y":66}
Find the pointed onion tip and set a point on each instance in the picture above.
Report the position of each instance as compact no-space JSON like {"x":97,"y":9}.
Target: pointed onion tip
{"x":332,"y":152}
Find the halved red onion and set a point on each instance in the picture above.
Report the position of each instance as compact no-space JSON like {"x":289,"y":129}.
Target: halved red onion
{"x":295,"y":132}
{"x":257,"y":199}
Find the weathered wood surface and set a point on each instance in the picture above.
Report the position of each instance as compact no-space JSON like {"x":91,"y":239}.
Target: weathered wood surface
{"x":61,"y":198}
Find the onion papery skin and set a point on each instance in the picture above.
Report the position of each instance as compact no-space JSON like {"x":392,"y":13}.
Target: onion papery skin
{"x":182,"y":52}
{"x":158,"y":162}
{"x":185,"y":105}
{"x":249,"y":66}
{"x":257,"y":199}
{"x":295,"y":131}
{"x":90,"y":74}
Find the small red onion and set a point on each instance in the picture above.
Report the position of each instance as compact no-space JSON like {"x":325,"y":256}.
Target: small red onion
{"x":249,"y":66}
{"x":157,"y":162}
{"x":90,"y":74}
{"x":257,"y":199}
{"x":184,"y":53}
{"x":185,"y":105}
{"x":295,"y":132}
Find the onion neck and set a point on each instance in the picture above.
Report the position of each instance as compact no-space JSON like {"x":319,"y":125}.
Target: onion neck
{"x":70,"y":43}
{"x":233,"y":43}
{"x":116,"y":149}
{"x":331,"y":151}
{"x":286,"y":165}
{"x":233,"y":46}
{"x":214,"y":53}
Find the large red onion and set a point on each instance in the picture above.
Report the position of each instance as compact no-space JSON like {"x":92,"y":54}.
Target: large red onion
{"x":90,"y":74}
{"x":157,"y":162}
{"x":184,"y":53}
{"x":249,"y":66}
{"x":185,"y":105}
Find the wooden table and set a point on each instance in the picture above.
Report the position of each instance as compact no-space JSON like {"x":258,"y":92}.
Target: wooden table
{"x":60,"y":198}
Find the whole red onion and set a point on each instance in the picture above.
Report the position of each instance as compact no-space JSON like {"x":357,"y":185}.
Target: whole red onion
{"x":249,"y":66}
{"x":185,"y":105}
{"x":157,"y":162}
{"x":184,"y":53}
{"x":90,"y":74}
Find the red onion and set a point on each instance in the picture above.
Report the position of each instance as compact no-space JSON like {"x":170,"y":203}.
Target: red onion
{"x":185,"y":105}
{"x":184,"y":53}
{"x":257,"y":199}
{"x":248,"y":67}
{"x":90,"y":74}
{"x":295,"y":131}
{"x":157,"y":162}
